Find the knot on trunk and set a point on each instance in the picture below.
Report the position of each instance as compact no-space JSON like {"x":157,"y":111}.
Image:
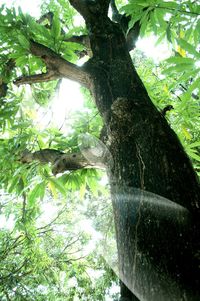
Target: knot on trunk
{"x":122,"y":109}
{"x":121,"y":120}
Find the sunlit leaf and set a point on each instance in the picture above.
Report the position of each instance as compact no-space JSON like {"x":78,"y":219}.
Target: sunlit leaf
{"x":23,"y":41}
{"x":186,"y":133}
{"x":194,"y":155}
{"x":56,"y":26}
{"x":36,"y":192}
{"x":58,"y":185}
{"x":188,"y":47}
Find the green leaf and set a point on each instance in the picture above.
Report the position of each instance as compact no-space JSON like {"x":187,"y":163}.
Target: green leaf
{"x":144,"y":25}
{"x":191,"y":88}
{"x":37,"y":192}
{"x":159,"y":14}
{"x":188,"y":47}
{"x":153,"y":22}
{"x":56,"y":27}
{"x":59,"y":186}
{"x":13,"y":184}
{"x":180,"y":60}
{"x":21,"y":61}
{"x":193,"y":155}
{"x":23,"y":41}
{"x":188,"y":74}
{"x":169,"y":4}
{"x":192,"y":145}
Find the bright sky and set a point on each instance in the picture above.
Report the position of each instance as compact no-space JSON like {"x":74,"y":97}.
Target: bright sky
{"x":31,"y":7}
{"x":150,"y":49}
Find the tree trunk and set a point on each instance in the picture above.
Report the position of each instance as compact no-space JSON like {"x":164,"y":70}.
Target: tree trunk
{"x":157,"y":240}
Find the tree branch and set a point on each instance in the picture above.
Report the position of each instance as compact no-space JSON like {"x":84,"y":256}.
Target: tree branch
{"x":123,"y":20}
{"x":36,"y":78}
{"x":81,"y":6}
{"x":57,"y":68}
{"x":43,"y":156}
{"x":66,"y":162}
{"x":132,"y":36}
{"x":75,"y":161}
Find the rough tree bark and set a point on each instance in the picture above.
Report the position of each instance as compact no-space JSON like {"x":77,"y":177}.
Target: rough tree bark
{"x":157,"y":239}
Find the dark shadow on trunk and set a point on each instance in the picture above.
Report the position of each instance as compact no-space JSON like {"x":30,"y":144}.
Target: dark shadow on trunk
{"x":159,"y":261}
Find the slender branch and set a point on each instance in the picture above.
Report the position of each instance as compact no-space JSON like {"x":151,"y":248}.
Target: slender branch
{"x":37,"y":78}
{"x":73,"y":259}
{"x":52,"y":222}
{"x":72,"y":242}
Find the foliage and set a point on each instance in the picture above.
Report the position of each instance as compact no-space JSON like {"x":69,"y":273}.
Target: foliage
{"x":43,"y":260}
{"x":177,"y":78}
{"x":166,"y":90}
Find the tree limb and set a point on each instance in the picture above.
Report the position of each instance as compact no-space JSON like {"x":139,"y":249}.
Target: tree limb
{"x":57,"y":68}
{"x":66,"y":161}
{"x":36,"y":78}
{"x":81,"y":6}
{"x":123,"y":20}
{"x":43,"y":156}
{"x":132,"y":36}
